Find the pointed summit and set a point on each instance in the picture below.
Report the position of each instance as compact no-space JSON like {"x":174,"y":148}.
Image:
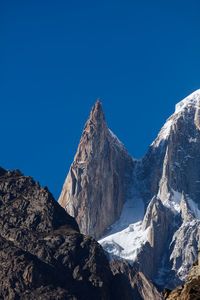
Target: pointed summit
{"x":97,"y":113}
{"x":98,"y":181}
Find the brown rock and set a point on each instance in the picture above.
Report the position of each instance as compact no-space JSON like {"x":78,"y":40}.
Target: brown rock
{"x":139,"y":285}
{"x":190,"y":290}
{"x":42,"y":253}
{"x":99,"y":179}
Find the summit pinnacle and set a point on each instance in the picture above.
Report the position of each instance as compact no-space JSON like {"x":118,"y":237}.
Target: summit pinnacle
{"x":99,"y":178}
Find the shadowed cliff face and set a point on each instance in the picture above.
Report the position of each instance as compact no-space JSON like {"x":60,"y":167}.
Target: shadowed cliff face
{"x":42,"y":253}
{"x":99,"y":179}
{"x":190,"y":290}
{"x":140,"y":286}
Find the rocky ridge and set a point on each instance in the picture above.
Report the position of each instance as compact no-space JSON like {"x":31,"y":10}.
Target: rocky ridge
{"x":42,"y":253}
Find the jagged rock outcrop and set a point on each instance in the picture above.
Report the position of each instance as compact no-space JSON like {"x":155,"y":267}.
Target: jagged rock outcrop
{"x":99,"y":179}
{"x":140,"y":286}
{"x":190,"y":290}
{"x":42,"y":253}
{"x":158,"y":219}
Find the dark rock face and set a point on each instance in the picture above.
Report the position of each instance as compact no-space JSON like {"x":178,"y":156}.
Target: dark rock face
{"x":99,"y":179}
{"x":42,"y":253}
{"x":139,"y":286}
{"x":190,"y":290}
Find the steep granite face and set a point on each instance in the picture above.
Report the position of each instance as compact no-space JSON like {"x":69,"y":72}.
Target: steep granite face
{"x":163,"y":242}
{"x":177,"y":186}
{"x":100,"y":177}
{"x":153,"y":203}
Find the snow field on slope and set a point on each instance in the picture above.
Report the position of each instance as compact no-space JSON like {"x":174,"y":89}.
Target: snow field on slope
{"x":191,"y":100}
{"x":126,"y":235}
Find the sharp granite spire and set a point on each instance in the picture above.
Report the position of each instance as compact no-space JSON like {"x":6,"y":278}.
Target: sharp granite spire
{"x":97,"y":112}
{"x":99,"y":178}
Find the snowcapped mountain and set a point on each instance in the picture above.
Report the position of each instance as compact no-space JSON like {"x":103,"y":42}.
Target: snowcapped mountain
{"x":147,"y":209}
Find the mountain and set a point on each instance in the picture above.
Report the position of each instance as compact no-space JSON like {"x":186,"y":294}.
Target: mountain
{"x":42,"y":253}
{"x":99,"y":179}
{"x":44,"y":256}
{"x":145,"y":211}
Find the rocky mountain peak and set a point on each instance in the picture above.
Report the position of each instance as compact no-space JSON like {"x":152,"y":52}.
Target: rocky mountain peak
{"x":187,"y":111}
{"x":191,"y":100}
{"x":94,"y":132}
{"x":97,"y":114}
{"x":99,"y":178}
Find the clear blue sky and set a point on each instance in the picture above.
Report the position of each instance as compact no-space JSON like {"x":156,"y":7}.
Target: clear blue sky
{"x":58,"y":57}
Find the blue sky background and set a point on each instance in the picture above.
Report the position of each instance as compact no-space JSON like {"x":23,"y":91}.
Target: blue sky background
{"x":58,"y":57}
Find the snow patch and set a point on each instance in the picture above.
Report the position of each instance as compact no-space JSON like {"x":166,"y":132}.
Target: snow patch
{"x":173,"y":202}
{"x":126,"y":236}
{"x":191,"y":100}
{"x":166,"y":129}
{"x":192,"y":140}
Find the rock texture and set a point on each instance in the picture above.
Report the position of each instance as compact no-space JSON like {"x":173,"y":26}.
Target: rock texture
{"x":139,"y":285}
{"x":163,"y":242}
{"x":42,"y":253}
{"x":99,"y":179}
{"x":170,"y":171}
{"x":190,"y":290}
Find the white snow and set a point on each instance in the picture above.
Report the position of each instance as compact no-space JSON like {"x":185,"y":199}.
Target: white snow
{"x":192,"y":140}
{"x":174,"y":202}
{"x":126,"y":235}
{"x":193,"y":100}
{"x":166,"y":129}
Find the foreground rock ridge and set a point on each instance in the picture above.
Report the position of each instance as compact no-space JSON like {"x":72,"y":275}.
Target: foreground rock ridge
{"x":147,"y":210}
{"x":99,"y":179}
{"x":44,"y":256}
